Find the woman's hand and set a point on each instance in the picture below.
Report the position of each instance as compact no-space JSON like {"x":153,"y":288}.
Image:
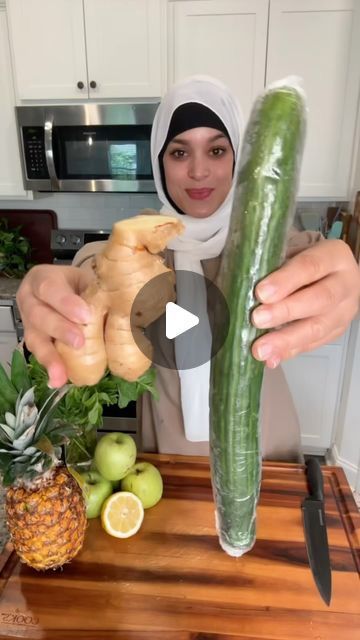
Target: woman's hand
{"x":51,"y":308}
{"x":315,"y":295}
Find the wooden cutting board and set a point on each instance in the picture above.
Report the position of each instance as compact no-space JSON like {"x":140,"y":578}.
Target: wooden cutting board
{"x":172,"y":581}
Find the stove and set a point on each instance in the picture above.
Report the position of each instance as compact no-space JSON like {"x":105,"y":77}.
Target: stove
{"x":66,"y":242}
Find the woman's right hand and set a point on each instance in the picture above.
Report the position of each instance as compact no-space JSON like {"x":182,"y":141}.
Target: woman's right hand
{"x":51,"y":308}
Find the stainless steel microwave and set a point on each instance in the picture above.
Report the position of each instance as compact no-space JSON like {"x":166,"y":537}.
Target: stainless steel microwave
{"x":87,"y":147}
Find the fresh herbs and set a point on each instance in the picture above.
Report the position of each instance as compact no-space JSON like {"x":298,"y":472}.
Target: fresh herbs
{"x":15,"y":251}
{"x":83,"y":406}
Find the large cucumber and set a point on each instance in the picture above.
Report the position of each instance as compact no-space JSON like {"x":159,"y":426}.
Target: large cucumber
{"x":262,"y":211}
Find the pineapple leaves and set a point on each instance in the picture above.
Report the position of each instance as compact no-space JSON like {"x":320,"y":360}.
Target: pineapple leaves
{"x":48,"y":410}
{"x":29,"y":451}
{"x":20,"y":470}
{"x":39,"y":425}
{"x":9,"y":476}
{"x":25,"y":439}
{"x":52,"y":447}
{"x":60,"y":432}
{"x":23,"y":466}
{"x":20,"y":377}
{"x":9,"y":452}
{"x":7,"y":432}
{"x":26,"y":412}
{"x":30,"y":441}
{"x":5,"y":460}
{"x":8,"y":393}
{"x":45,"y":446}
{"x":10,"y":419}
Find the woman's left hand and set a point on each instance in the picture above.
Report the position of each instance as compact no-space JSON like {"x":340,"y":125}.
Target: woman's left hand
{"x":315,"y":295}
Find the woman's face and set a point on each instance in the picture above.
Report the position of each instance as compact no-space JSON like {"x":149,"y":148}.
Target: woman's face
{"x":198,"y":166}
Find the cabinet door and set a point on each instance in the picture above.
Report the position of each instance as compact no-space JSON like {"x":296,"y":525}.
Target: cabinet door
{"x":11,"y":184}
{"x":319,"y":40}
{"x":221,"y":38}
{"x":48,"y":48}
{"x":314,"y":380}
{"x":8,"y":343}
{"x":124,"y":43}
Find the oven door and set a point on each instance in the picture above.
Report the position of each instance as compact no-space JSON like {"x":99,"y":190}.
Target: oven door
{"x":127,"y":420}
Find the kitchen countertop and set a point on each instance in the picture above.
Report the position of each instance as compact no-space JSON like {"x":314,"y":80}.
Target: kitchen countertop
{"x":172,"y":581}
{"x":8,"y":288}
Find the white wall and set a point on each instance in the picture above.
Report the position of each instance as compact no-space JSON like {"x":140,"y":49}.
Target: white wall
{"x":87,"y":210}
{"x":355,"y":176}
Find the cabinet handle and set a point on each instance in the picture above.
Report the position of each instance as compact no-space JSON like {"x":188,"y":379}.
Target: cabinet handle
{"x":80,"y":85}
{"x":93,"y":84}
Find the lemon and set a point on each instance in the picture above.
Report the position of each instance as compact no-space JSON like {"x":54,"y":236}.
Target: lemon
{"x":122,"y":514}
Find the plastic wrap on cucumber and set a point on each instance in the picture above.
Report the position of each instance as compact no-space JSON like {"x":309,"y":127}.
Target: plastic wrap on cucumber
{"x":263,"y":209}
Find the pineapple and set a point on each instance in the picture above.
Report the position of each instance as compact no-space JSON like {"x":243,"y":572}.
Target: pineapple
{"x":45,"y":507}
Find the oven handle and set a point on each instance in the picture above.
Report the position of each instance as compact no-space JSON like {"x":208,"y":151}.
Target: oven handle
{"x":49,"y":155}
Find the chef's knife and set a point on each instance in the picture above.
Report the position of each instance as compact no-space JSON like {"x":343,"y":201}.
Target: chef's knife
{"x":315,"y":530}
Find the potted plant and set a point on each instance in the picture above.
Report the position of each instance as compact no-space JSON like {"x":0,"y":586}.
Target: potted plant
{"x":15,"y":251}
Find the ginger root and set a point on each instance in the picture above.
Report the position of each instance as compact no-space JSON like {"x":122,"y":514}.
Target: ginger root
{"x":128,"y":262}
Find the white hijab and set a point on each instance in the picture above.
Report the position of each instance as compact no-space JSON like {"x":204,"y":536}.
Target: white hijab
{"x":203,"y":238}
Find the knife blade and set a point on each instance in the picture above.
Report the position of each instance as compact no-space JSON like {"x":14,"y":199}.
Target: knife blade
{"x":315,"y":530}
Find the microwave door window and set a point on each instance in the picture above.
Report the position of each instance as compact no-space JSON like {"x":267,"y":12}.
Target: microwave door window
{"x":80,"y":153}
{"x":86,"y":159}
{"x":122,"y":160}
{"x":144,"y":169}
{"x":130,"y":160}
{"x":102,"y":152}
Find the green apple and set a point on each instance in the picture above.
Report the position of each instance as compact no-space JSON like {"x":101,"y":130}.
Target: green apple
{"x":146,"y":482}
{"x":96,"y":489}
{"x":115,"y":454}
{"x":115,"y":483}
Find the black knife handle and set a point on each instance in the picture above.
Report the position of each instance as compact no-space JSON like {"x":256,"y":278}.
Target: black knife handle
{"x":314,"y":478}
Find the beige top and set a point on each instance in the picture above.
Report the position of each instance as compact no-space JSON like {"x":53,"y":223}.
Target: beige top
{"x":162,"y":422}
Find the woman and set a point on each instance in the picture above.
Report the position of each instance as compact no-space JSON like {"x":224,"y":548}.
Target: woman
{"x":315,"y":294}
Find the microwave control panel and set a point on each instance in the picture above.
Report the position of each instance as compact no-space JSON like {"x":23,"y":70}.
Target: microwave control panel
{"x":34,"y":149}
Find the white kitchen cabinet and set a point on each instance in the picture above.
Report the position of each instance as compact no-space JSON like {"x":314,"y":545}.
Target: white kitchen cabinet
{"x":11,"y":184}
{"x":346,"y":444}
{"x":74,"y":49}
{"x":319,"y":40}
{"x":222,"y":38}
{"x":315,"y":381}
{"x":48,"y":45}
{"x":124,"y":42}
{"x":249,"y":44}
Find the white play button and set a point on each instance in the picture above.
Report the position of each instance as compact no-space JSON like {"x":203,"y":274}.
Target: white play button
{"x":178,"y":320}
{"x":188,"y":323}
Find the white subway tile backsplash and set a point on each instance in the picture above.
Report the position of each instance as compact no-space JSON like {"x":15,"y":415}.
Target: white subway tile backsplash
{"x":87,"y":210}
{"x":101,"y":210}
